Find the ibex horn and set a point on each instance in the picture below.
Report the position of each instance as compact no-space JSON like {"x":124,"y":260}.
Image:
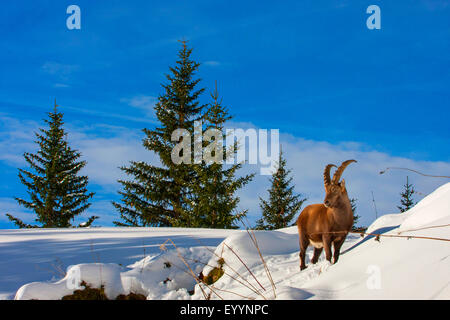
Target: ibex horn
{"x":326,"y":174}
{"x":340,"y":170}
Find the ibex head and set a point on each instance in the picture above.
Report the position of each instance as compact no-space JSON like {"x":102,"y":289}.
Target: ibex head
{"x":333,"y":188}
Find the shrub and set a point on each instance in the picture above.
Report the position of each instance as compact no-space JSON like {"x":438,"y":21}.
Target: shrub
{"x":89,"y":293}
{"x":215,"y":273}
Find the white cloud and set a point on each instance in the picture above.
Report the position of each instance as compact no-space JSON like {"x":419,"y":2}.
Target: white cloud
{"x":104,"y":156}
{"x":212,"y":63}
{"x":52,"y":67}
{"x":142,"y":102}
{"x":16,"y":137}
{"x":60,"y":70}
{"x":61,"y":85}
{"x":104,"y":114}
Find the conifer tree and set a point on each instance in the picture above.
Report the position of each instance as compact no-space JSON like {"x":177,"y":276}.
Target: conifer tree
{"x":407,"y":201}
{"x":156,"y":195}
{"x":283,"y":204}
{"x":58,"y":194}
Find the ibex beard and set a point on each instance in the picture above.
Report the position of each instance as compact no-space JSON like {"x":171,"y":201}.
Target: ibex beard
{"x":326,"y":224}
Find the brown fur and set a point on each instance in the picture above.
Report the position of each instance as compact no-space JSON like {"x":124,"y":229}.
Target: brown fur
{"x":326,"y":224}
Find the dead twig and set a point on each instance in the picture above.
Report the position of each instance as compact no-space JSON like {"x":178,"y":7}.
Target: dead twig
{"x":423,"y":174}
{"x":266,"y":268}
{"x":424,"y":228}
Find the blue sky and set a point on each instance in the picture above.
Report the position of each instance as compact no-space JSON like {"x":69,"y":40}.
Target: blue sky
{"x":311,"y":69}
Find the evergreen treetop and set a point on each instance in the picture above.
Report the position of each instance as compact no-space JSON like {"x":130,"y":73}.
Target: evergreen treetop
{"x":282,"y":205}
{"x":407,"y":201}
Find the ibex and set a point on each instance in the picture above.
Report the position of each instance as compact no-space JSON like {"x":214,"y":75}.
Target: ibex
{"x":328,"y":223}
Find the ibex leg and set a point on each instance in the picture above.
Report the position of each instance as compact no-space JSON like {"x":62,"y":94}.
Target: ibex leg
{"x":337,"y":249}
{"x":303,"y":246}
{"x":317,"y":253}
{"x":327,"y":248}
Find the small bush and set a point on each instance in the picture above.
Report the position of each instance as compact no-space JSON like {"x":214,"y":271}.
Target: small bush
{"x":89,"y":293}
{"x":215,"y":273}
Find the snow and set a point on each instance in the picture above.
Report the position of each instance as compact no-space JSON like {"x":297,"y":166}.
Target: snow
{"x":44,"y":255}
{"x":434,"y":207}
{"x":93,"y":273}
{"x":155,"y":276}
{"x":132,"y":260}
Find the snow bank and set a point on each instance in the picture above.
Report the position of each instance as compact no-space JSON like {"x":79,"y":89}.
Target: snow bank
{"x":157,"y":277}
{"x":430,"y":209}
{"x":271,"y":243}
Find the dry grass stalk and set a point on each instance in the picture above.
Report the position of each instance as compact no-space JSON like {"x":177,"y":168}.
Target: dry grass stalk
{"x":247,"y":283}
{"x":424,"y":228}
{"x":248,"y":269}
{"x":266,"y":268}
{"x":378,"y":235}
{"x":192,"y":273}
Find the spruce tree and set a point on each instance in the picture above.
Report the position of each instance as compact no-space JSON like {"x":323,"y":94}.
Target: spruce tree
{"x":407,"y":201}
{"x":182,"y":194}
{"x":159,"y":195}
{"x":58,"y":194}
{"x":282,"y":204}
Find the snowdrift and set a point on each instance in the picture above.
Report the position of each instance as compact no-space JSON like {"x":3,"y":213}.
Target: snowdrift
{"x":434,"y":207}
{"x":265,"y":265}
{"x":157,"y":277}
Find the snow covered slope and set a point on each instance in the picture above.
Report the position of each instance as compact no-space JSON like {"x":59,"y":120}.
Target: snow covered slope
{"x":392,"y":268}
{"x":45,"y":254}
{"x":434,"y":207}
